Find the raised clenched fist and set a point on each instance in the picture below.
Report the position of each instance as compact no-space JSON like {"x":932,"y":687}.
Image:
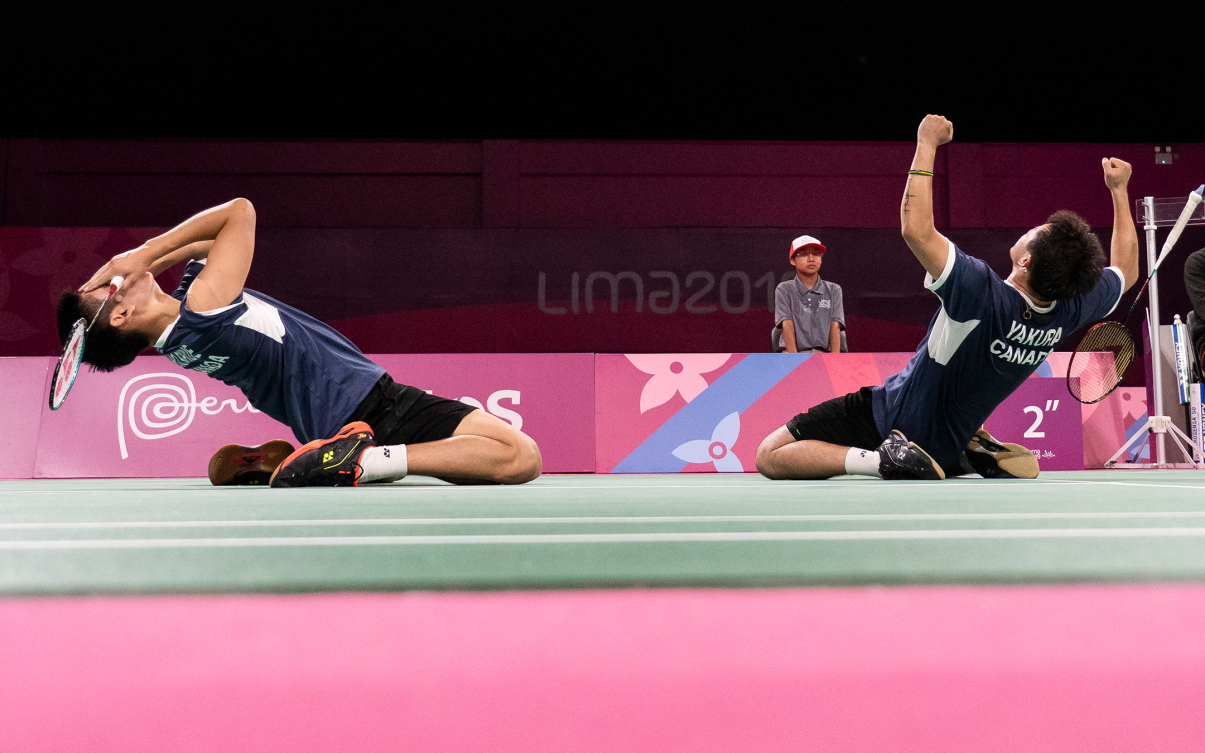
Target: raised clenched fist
{"x":1117,"y":172}
{"x":935,"y":130}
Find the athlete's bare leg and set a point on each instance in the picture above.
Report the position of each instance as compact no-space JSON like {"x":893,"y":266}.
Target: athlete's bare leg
{"x":483,"y":449}
{"x":780,"y":456}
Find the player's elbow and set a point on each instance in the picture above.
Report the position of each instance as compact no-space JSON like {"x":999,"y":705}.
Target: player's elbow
{"x":915,"y":235}
{"x":243,"y":206}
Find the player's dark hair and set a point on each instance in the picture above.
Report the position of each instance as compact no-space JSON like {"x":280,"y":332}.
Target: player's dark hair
{"x":1066,"y":258}
{"x":105,"y":348}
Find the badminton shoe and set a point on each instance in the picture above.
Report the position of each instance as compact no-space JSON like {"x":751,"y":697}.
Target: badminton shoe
{"x":900,"y":459}
{"x":327,"y":462}
{"x":992,"y":458}
{"x":238,"y":465}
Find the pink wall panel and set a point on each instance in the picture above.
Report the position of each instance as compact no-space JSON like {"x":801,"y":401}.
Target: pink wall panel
{"x":152,"y":419}
{"x":589,"y":413}
{"x":22,"y":402}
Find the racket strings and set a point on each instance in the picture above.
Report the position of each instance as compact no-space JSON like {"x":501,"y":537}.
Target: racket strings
{"x":1099,"y":362}
{"x":67,"y":368}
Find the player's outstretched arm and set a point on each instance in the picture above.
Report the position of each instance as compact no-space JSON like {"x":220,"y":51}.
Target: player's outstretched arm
{"x":1123,"y":251}
{"x":916,"y":208}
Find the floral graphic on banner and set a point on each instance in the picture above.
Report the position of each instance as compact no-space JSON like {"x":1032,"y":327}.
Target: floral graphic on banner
{"x":680,"y":373}
{"x":717,"y":450}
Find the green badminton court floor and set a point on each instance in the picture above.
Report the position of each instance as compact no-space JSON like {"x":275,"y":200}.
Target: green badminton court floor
{"x":182,"y":535}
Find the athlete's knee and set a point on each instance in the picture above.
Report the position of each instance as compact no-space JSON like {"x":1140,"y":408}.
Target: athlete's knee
{"x":765,"y":461}
{"x":523,"y":462}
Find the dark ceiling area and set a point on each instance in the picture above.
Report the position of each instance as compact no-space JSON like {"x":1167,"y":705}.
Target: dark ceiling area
{"x":703,"y":70}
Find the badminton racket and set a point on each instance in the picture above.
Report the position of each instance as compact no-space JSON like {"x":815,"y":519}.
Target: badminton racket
{"x":1106,"y":351}
{"x":67,"y":368}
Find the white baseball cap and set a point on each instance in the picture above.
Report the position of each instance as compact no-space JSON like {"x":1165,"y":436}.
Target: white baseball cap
{"x":804,"y":240}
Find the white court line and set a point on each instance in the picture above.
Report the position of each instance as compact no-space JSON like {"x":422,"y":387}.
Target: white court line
{"x":606,"y":538}
{"x":1148,"y":486}
{"x":783,"y":485}
{"x":869,"y":517}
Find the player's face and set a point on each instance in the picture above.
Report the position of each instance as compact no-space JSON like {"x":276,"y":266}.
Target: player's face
{"x":136,"y":293}
{"x":807,"y":260}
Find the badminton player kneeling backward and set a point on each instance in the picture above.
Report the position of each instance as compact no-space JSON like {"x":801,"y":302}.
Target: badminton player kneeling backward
{"x":988,"y":336}
{"x":291,"y":366}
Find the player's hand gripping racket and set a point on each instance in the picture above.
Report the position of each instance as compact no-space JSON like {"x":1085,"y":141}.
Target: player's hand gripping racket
{"x":1105,"y":352}
{"x":73,"y":353}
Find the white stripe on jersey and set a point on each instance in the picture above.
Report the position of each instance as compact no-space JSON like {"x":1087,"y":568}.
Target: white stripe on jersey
{"x":947,"y":336}
{"x":262,"y":317}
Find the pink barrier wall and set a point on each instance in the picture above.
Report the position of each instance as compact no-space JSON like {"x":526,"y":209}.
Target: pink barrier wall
{"x":698,"y":412}
{"x":707,"y":413}
{"x":550,"y":396}
{"x":636,"y":413}
{"x":152,"y":419}
{"x":22,"y":400}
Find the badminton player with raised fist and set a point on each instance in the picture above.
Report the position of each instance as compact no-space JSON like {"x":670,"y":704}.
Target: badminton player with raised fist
{"x":988,"y":336}
{"x":357,"y":424}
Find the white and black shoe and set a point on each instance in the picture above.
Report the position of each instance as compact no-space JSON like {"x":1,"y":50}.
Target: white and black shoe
{"x":992,"y":458}
{"x":900,"y":459}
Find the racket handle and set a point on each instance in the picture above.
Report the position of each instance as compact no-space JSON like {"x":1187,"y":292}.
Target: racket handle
{"x":1194,"y":199}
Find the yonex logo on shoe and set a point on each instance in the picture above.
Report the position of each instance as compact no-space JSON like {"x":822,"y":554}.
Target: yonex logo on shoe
{"x":328,"y":456}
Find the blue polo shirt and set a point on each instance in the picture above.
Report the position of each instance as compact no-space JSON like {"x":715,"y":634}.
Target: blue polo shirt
{"x":290,"y":366}
{"x":985,"y":340}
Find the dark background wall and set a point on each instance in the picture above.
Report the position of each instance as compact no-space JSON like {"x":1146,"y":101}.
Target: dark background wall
{"x":564,"y":184}
{"x":436,"y":246}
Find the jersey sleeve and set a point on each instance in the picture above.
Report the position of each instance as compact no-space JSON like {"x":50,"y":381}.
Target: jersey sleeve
{"x":1104,"y":297}
{"x":838,"y":305}
{"x":782,"y":305}
{"x":196,"y":332}
{"x":191,"y":271}
{"x":962,"y":286}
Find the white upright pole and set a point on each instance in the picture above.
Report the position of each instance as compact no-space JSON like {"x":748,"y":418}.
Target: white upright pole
{"x":1152,"y":255}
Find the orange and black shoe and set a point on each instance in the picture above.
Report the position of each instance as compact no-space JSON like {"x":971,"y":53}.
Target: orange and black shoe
{"x":327,"y":462}
{"x":239,"y":465}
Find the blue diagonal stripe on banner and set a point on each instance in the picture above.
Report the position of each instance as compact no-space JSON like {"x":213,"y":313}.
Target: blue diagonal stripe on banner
{"x":738,"y":388}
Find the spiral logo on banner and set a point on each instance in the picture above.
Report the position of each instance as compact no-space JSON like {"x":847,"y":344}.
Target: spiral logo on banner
{"x":163,"y":404}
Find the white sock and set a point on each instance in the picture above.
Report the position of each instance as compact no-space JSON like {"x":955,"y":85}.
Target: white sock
{"x":861,"y":462}
{"x":383,"y":462}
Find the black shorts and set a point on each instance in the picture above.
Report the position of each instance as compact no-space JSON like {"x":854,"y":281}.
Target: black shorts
{"x":401,"y":414}
{"x":847,"y":421}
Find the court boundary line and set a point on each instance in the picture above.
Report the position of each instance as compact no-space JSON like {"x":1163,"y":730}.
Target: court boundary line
{"x":605,"y":538}
{"x":601,"y":519}
{"x":782,"y":484}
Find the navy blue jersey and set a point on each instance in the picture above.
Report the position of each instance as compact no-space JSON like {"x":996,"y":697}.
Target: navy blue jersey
{"x":291,"y":366}
{"x":985,"y":340}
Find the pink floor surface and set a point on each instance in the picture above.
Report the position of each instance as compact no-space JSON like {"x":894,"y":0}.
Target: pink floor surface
{"x":899,"y":669}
